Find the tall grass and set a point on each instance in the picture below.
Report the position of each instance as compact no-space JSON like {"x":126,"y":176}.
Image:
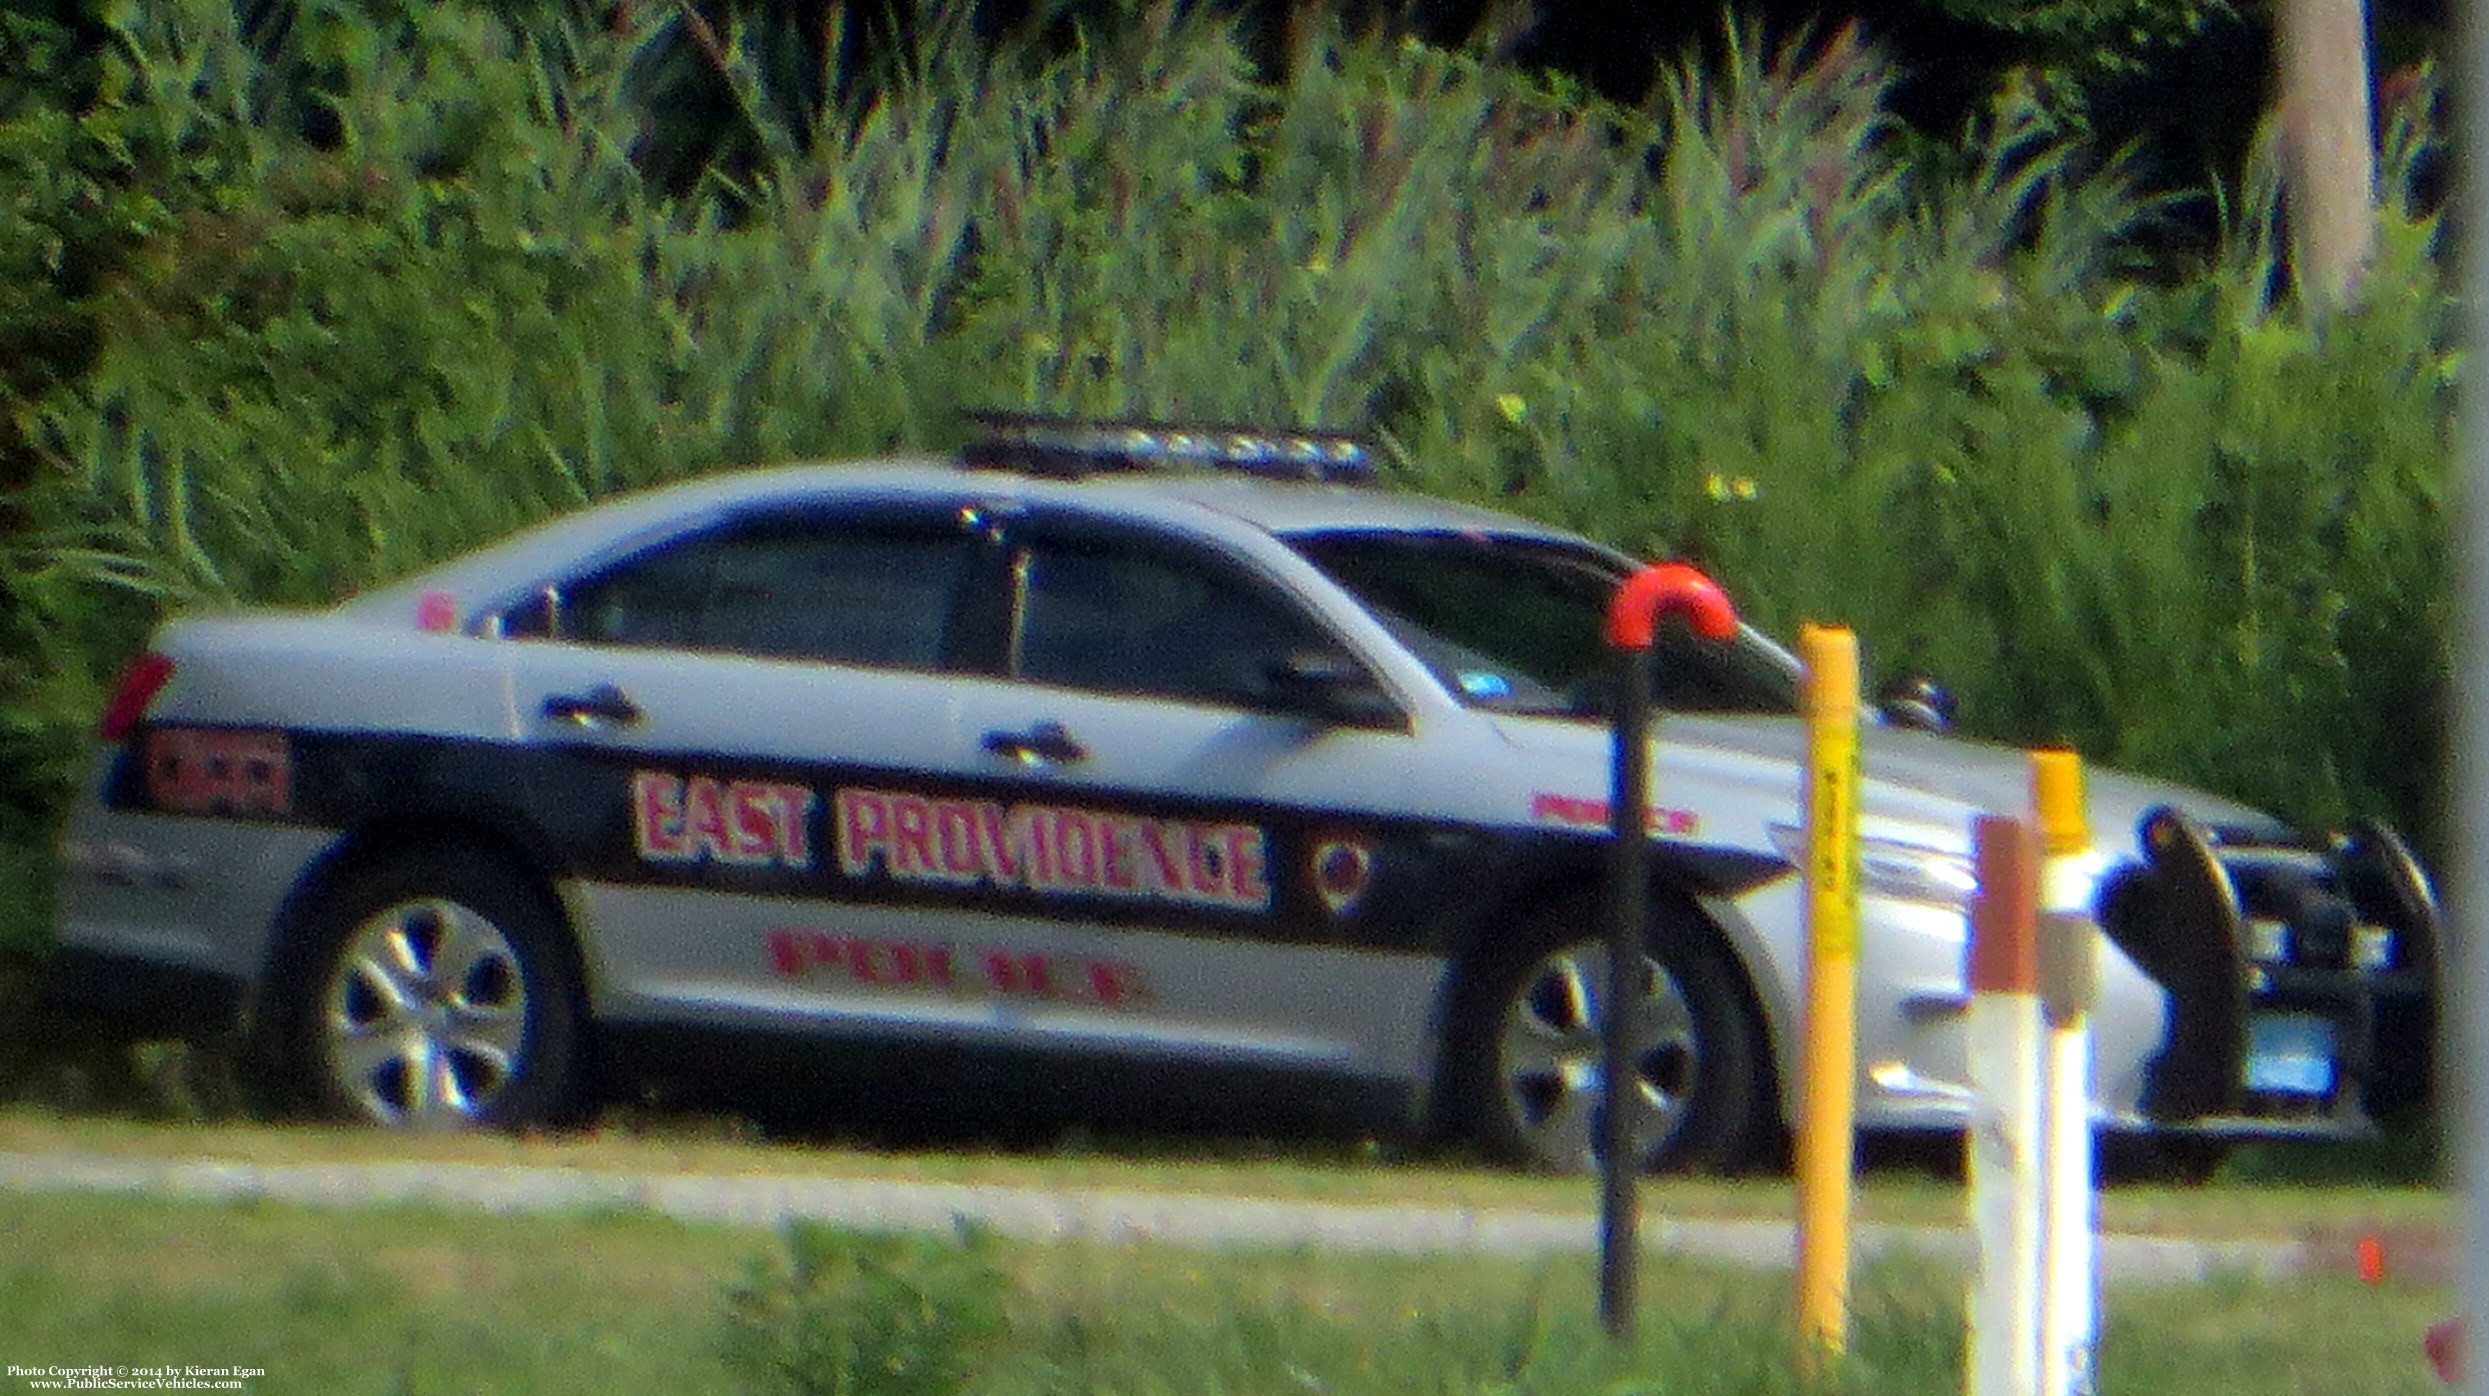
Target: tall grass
{"x":1753,"y":322}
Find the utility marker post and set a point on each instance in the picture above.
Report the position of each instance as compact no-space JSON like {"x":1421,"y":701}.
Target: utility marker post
{"x":1828,"y":1074}
{"x":2069,"y":966}
{"x":2002,"y":1039}
{"x":1632,"y":620}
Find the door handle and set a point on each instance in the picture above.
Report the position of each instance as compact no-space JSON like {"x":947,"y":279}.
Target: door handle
{"x":601,"y":706}
{"x":1047,"y":742}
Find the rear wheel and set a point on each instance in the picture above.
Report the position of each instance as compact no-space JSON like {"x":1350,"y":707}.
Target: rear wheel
{"x":1531,"y":1055}
{"x":436,"y":992}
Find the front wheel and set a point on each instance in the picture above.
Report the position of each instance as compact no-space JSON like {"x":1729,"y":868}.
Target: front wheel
{"x":435,"y":993}
{"x":1531,"y":1057}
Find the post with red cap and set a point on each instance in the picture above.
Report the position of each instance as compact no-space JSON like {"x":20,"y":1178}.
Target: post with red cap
{"x":1633,"y":614}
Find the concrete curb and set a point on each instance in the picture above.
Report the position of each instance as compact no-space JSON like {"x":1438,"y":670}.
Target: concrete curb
{"x":1098,"y":1216}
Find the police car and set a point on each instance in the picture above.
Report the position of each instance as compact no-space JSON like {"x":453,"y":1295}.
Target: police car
{"x":1112,"y":757}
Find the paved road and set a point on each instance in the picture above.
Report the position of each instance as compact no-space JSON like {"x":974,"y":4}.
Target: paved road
{"x":1048,"y":1214}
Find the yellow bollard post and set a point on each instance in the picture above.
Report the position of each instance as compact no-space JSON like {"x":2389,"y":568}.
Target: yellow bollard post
{"x":1828,"y":1070}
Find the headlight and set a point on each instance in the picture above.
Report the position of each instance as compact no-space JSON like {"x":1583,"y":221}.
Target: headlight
{"x":1903,"y":871}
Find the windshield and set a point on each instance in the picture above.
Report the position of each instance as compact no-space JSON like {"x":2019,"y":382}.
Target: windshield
{"x":1515,"y":624}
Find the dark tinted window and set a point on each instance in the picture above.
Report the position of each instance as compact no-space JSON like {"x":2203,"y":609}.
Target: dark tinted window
{"x":1132,"y":618}
{"x":1517,"y":624}
{"x":851,"y":593}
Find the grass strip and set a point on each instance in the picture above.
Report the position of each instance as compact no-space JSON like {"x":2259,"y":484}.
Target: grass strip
{"x":414,"y":1299}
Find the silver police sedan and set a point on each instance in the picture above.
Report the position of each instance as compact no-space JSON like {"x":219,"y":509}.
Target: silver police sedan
{"x":1110,"y":760}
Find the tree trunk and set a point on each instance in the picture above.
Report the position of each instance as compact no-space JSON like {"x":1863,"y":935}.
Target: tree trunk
{"x":2329,"y":169}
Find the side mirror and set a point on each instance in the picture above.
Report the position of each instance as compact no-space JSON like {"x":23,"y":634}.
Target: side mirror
{"x":1328,"y":687}
{"x":1915,"y":701}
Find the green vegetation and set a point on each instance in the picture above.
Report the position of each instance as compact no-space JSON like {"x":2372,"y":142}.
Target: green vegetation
{"x":409,"y":1300}
{"x":360,"y":298}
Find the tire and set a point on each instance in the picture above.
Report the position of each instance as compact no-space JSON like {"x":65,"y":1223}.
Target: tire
{"x":434,"y":991}
{"x":1528,"y":1060}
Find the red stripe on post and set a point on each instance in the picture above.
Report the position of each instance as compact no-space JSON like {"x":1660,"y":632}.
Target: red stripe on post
{"x":2005,"y":916}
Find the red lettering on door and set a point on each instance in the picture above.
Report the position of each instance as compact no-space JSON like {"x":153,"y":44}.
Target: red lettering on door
{"x":747,"y":822}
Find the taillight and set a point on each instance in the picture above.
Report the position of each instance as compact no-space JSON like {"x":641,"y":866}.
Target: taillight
{"x":140,"y":683}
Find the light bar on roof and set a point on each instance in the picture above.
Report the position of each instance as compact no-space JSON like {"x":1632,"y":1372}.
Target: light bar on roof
{"x":1075,"y":446}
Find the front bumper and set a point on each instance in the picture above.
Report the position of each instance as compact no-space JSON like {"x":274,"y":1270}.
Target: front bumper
{"x":2301,"y":979}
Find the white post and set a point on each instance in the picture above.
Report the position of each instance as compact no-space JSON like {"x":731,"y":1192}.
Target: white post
{"x":2003,"y":1038}
{"x":2069,"y":949}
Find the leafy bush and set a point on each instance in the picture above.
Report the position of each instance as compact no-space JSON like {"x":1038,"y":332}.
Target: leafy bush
{"x":866,"y":1314}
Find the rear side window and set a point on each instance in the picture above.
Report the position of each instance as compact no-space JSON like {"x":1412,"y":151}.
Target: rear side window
{"x":877,"y":594}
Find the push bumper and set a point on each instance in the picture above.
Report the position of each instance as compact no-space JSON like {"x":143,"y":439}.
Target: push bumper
{"x":2301,"y":979}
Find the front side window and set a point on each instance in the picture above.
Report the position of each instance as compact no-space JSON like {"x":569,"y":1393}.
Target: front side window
{"x":1518,"y":624}
{"x":1128,"y":617}
{"x":794,"y":588}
